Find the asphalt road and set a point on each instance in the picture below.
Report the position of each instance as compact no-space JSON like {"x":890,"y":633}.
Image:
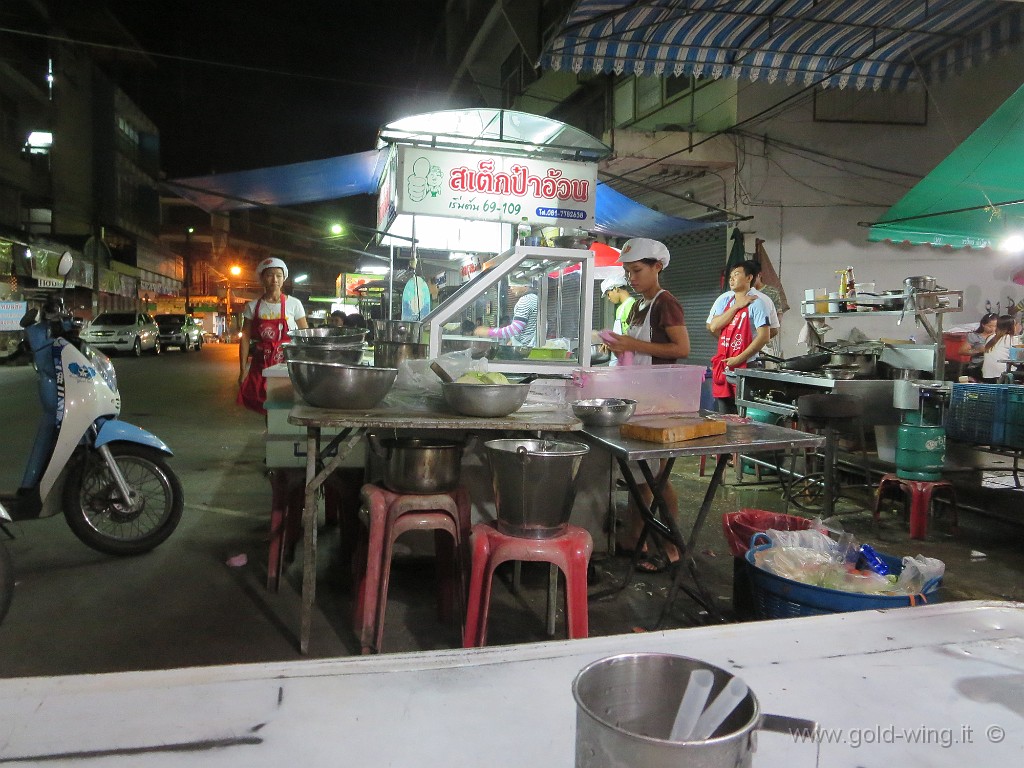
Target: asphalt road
{"x":79,"y":611}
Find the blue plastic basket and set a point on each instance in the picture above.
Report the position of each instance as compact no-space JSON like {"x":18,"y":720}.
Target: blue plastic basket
{"x":976,"y":413}
{"x":776,"y":597}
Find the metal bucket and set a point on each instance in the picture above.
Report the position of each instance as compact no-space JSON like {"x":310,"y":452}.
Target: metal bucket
{"x":626,"y":707}
{"x":534,"y":484}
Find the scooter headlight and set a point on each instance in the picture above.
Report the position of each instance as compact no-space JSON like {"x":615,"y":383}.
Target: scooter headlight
{"x":104,"y":367}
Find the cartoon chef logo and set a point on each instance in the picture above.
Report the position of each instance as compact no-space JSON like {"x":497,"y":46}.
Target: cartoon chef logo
{"x":424,"y":180}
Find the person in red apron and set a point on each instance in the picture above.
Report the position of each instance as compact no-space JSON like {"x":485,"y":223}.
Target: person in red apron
{"x":656,"y":335}
{"x":741,"y":322}
{"x":265,"y":327}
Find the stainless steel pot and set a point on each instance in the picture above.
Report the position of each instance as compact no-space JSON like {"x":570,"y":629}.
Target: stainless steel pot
{"x":398,"y":331}
{"x":862,"y":364}
{"x":416,"y":465}
{"x":919,"y":283}
{"x":387,"y":354}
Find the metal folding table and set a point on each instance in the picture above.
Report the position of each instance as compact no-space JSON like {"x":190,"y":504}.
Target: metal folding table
{"x":741,"y":436}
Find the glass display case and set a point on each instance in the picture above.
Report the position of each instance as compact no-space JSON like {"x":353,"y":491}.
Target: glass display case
{"x":542,"y":297}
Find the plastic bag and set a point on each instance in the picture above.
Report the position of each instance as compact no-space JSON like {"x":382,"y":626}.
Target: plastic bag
{"x":918,"y":572}
{"x":811,"y":539}
{"x":417,"y":376}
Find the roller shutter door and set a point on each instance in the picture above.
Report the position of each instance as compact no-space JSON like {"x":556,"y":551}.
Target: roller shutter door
{"x":694,"y":277}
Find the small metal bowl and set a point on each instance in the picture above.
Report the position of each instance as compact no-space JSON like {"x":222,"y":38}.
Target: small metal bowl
{"x":603,"y":412}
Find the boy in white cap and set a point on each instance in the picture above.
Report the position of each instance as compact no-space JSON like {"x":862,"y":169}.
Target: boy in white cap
{"x":656,"y":335}
{"x":265,"y":325}
{"x":616,"y":290}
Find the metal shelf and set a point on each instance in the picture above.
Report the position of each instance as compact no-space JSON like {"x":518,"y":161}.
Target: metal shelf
{"x":920,"y":314}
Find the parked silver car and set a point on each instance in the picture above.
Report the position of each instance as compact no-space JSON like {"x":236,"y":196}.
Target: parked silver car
{"x":179,"y":330}
{"x":133,"y":332}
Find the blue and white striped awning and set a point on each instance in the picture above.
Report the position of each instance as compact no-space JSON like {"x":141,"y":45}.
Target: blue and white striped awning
{"x":877,"y":44}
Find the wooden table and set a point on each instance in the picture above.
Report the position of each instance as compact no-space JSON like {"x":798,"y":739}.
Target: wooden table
{"x":321,"y":463}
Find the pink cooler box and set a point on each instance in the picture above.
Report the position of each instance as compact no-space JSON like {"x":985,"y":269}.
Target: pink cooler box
{"x":656,"y":388}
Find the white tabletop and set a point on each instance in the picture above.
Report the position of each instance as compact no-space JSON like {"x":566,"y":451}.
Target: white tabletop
{"x":882,"y":685}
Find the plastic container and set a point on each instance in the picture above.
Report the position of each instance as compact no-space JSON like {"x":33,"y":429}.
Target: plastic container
{"x":656,"y":388}
{"x":776,"y":597}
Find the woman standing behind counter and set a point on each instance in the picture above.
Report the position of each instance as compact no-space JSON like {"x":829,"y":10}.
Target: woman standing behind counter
{"x":974,"y":345}
{"x":997,"y":349}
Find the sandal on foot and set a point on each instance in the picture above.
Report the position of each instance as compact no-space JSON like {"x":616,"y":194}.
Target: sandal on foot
{"x":651,"y":564}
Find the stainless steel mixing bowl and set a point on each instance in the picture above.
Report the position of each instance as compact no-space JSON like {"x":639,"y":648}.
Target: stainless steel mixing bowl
{"x":339,"y":386}
{"x":485,"y":399}
{"x":327,"y":335}
{"x":349,"y":354}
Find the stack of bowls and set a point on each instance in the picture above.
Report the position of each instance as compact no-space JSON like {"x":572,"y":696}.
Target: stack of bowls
{"x":326,"y":345}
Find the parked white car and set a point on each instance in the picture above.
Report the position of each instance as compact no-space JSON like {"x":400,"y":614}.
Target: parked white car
{"x":133,"y":332}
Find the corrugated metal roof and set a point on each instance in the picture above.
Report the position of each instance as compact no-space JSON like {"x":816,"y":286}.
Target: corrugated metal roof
{"x":890,"y":44}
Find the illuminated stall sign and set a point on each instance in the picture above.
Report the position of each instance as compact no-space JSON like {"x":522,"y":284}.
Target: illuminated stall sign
{"x":491,"y":187}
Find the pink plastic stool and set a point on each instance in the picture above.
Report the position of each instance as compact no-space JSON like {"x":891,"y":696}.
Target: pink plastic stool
{"x":919,"y":500}
{"x":570,"y":551}
{"x":391,"y":515}
{"x":288,"y":496}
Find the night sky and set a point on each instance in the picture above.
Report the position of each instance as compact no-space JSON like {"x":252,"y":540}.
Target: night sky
{"x":266,"y":83}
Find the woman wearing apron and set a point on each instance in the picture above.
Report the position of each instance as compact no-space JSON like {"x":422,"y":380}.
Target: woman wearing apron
{"x":656,"y":336}
{"x":265,"y":325}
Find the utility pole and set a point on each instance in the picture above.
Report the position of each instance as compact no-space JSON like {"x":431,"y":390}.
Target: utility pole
{"x":188,"y":271}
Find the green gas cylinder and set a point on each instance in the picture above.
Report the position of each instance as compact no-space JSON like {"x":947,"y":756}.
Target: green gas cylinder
{"x":920,"y":450}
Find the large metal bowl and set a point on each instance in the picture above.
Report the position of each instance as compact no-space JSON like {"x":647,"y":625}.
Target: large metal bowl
{"x":603,"y":412}
{"x":349,"y":354}
{"x":485,"y":399}
{"x":327,"y":335}
{"x":339,"y":386}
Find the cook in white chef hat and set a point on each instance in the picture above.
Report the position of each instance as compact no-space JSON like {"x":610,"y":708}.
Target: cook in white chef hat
{"x":611,"y":283}
{"x":642,"y":248}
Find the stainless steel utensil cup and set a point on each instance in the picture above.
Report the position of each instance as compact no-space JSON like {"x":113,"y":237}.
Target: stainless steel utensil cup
{"x":626,"y":706}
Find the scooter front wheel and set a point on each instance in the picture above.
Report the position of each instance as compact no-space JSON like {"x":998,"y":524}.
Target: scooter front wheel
{"x":6,"y":580}
{"x":97,"y":513}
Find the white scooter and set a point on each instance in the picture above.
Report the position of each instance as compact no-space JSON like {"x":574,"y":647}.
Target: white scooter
{"x":109,"y":478}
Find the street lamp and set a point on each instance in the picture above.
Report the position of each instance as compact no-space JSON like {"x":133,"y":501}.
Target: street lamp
{"x":235,"y":271}
{"x":188,"y":270}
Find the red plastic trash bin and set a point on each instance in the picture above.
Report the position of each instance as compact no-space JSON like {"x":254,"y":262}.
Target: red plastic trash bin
{"x":739,"y":527}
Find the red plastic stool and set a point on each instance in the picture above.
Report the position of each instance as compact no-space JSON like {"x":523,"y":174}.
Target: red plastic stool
{"x":391,"y":515}
{"x":288,"y":496}
{"x":919,"y":494}
{"x":570,"y":551}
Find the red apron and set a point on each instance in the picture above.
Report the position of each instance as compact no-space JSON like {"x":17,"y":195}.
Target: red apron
{"x":265,"y":339}
{"x":733,"y":339}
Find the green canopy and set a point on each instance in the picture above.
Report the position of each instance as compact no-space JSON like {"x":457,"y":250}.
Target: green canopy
{"x":972,"y":199}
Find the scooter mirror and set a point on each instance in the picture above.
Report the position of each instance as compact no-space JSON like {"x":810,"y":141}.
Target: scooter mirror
{"x":67,"y":261}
